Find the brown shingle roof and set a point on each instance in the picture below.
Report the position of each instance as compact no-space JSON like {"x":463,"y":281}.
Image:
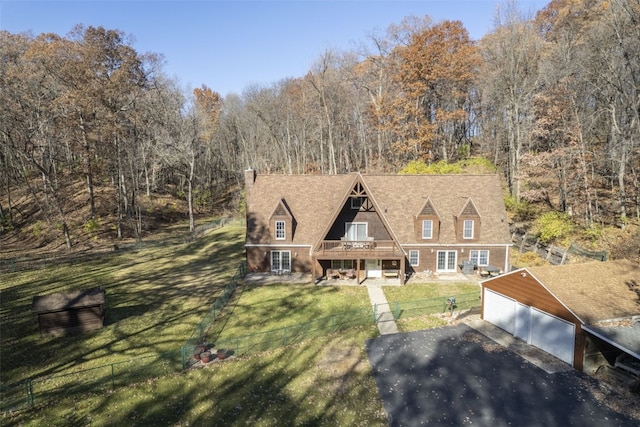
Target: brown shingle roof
{"x":594,"y":291}
{"x":314,"y":199}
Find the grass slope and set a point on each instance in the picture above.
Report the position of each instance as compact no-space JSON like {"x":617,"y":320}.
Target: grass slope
{"x":155,"y":297}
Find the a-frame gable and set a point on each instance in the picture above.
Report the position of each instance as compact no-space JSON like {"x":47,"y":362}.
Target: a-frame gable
{"x":357,"y":189}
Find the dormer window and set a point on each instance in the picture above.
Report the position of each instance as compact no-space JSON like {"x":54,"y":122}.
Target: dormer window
{"x":467,"y":231}
{"x":281,"y":233}
{"x":427,"y":229}
{"x":427,"y":222}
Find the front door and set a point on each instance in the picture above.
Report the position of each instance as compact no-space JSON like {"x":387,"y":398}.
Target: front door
{"x":373,"y":268}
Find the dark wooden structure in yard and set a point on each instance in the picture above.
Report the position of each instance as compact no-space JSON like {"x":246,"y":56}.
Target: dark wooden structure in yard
{"x":72,"y":312}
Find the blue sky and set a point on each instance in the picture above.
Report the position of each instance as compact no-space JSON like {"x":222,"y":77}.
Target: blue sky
{"x":230,"y":45}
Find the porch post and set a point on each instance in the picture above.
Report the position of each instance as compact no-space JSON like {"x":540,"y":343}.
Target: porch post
{"x":313,"y":269}
{"x":358,"y":271}
{"x":402,"y":274}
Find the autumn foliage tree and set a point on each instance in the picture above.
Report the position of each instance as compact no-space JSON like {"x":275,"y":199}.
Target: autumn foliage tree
{"x":432,"y":113}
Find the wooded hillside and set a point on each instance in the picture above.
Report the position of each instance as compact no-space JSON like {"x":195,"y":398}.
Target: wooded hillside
{"x":92,"y":132}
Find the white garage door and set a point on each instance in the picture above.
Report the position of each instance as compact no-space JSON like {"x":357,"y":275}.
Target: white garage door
{"x":499,"y":310}
{"x":553,"y":335}
{"x":522,"y":328}
{"x":536,"y":327}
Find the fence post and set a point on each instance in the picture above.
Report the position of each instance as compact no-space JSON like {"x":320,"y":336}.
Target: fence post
{"x":375,"y":313}
{"x":396,"y":310}
{"x":284,"y":332}
{"x":113,"y":377}
{"x":29,"y":392}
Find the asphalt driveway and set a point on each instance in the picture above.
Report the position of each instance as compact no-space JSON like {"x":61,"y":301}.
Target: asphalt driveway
{"x":454,"y":376}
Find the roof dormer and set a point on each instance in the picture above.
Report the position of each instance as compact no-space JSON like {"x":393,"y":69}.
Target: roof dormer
{"x":281,"y":223}
{"x":468,"y":223}
{"x":427,"y":223}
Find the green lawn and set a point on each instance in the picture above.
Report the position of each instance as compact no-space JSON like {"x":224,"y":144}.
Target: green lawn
{"x":414,"y":321}
{"x":155,"y":298}
{"x":259,"y":308}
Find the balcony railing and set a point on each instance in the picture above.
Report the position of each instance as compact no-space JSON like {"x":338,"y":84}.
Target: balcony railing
{"x":373,"y":247}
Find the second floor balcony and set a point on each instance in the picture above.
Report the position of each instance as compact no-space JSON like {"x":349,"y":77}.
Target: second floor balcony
{"x":366,"y":248}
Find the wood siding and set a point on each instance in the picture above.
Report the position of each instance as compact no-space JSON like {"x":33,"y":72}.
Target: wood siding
{"x":375,"y":226}
{"x":528,"y":291}
{"x":71,"y":321}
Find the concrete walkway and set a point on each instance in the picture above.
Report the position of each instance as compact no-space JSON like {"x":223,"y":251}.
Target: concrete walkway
{"x":386,"y":322}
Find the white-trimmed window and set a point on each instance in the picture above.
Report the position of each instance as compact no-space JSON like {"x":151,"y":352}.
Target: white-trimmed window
{"x":280,"y":230}
{"x":414,"y":257}
{"x":427,"y":229}
{"x":280,"y":261}
{"x":467,"y":231}
{"x":479,"y":257}
{"x":356,"y":231}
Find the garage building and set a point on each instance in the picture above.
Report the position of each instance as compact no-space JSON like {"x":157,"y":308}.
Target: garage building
{"x":557,"y":309}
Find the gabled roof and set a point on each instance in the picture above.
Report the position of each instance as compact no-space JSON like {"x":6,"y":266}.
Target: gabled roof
{"x":428,"y":209}
{"x":594,"y":291}
{"x":363,"y":190}
{"x":469,"y":209}
{"x":281,"y":209}
{"x":314,"y":200}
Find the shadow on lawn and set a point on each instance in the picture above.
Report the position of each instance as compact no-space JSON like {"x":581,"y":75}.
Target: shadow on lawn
{"x":154,"y":300}
{"x":288,"y":387}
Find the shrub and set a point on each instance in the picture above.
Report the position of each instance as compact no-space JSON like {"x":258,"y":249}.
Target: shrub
{"x":530,"y":259}
{"x":474,"y":165}
{"x":520,"y":210}
{"x":553,"y":226}
{"x":92,"y":226}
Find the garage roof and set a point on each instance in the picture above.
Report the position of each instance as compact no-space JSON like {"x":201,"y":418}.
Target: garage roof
{"x":594,"y":291}
{"x":625,"y":337}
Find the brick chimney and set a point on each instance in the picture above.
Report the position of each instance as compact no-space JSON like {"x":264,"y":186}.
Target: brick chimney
{"x":249,"y":179}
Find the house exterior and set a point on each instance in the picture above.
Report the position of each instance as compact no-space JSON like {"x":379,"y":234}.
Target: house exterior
{"x":374,"y":225}
{"x":584,"y":314}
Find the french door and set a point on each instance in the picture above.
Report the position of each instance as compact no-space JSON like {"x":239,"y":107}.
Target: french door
{"x":280,"y":261}
{"x":447,"y":261}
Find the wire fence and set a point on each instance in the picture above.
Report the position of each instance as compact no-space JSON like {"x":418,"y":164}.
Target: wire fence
{"x":32,"y":262}
{"x":407,"y":309}
{"x":199,"y":334}
{"x":112,"y":376}
{"x":288,"y":335}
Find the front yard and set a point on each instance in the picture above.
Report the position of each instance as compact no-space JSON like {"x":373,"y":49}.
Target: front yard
{"x":155,"y":298}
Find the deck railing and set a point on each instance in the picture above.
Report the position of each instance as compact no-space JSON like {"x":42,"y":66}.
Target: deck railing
{"x":387,"y":247}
